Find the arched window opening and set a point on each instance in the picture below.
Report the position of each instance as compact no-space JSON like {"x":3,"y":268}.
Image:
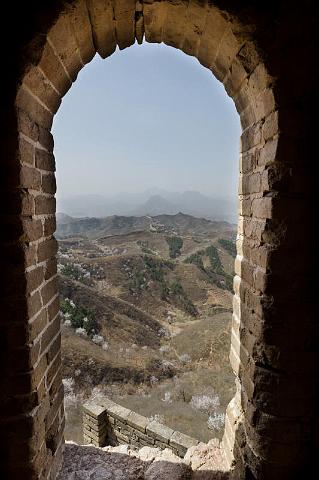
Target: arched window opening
{"x":147,"y":148}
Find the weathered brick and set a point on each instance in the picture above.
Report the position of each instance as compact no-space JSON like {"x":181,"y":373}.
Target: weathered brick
{"x":32,"y":106}
{"x":26,"y":152}
{"x":36,"y":81}
{"x":50,"y":332}
{"x":119,"y":412}
{"x":268,"y":152}
{"x":50,"y":269}
{"x":94,"y":410}
{"x":159,"y":431}
{"x":49,"y":226}
{"x":52,"y":371}
{"x":137,"y":421}
{"x":53,"y":69}
{"x":101,"y":15}
{"x":270,"y":126}
{"x":48,"y":183}
{"x":44,"y":160}
{"x":47,"y":249}
{"x":46,"y":139}
{"x":65,"y":46}
{"x":34,"y":304}
{"x":33,"y":229}
{"x":34,"y":278}
{"x":44,"y":204}
{"x":27,"y":125}
{"x":53,"y":308}
{"x":82,"y":31}
{"x":54,"y":349}
{"x":262,"y":207}
{"x":182,"y":442}
{"x":49,"y":290}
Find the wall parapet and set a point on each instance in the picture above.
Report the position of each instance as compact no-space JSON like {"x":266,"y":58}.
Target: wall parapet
{"x":107,"y":423}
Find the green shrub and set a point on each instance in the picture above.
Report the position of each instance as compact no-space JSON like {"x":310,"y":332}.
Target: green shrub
{"x":176,"y":287}
{"x":229,"y":281}
{"x":66,"y":306}
{"x":73,"y":272}
{"x":214,"y":259}
{"x":156,"y":267}
{"x":137,"y":279}
{"x":196,"y":259}
{"x":229,"y":246}
{"x":189,"y":307}
{"x":164,"y":290}
{"x":176,"y":290}
{"x":175,"y":244}
{"x":80,"y":317}
{"x":83,"y":318}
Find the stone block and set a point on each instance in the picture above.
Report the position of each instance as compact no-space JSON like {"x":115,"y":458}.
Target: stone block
{"x":182,"y":442}
{"x":49,"y":290}
{"x":141,"y":436}
{"x":54,"y":71}
{"x":30,"y":178}
{"x":124,"y":16}
{"x":44,"y":204}
{"x":93,"y":410}
{"x":159,"y":432}
{"x":65,"y":46}
{"x":44,"y":160}
{"x":26,"y":151}
{"x":82,"y":31}
{"x":154,"y":14}
{"x":137,"y":421}
{"x":102,"y":20}
{"x":262,"y":207}
{"x":32,"y":106}
{"x":122,"y":437}
{"x":106,"y":403}
{"x":47,"y":249}
{"x":49,"y":226}
{"x":34,"y":278}
{"x":36,"y":81}
{"x":48,"y":183}
{"x":118,"y":412}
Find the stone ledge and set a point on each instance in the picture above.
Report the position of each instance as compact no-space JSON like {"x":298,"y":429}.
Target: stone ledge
{"x":94,"y":410}
{"x":159,"y":432}
{"x":121,"y":413}
{"x":182,"y":442}
{"x":138,"y":421}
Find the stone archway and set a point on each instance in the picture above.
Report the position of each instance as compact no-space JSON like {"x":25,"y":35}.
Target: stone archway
{"x":262,"y":435}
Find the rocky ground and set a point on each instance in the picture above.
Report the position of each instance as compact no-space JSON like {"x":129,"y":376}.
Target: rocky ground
{"x":83,"y":462}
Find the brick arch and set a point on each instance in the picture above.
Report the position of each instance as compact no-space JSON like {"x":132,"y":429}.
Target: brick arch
{"x":263,"y":364}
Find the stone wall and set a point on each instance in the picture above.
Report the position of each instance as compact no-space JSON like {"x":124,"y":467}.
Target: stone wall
{"x":107,"y":423}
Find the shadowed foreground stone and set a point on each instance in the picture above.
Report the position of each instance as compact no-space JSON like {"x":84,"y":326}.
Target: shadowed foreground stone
{"x":165,"y":470}
{"x":123,"y":463}
{"x":84,"y":463}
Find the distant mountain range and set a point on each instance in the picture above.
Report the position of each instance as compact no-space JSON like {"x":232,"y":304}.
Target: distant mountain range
{"x":151,"y":202}
{"x":92,"y":227}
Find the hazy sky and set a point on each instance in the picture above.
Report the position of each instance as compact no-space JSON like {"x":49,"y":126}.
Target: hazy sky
{"x":148,"y":116}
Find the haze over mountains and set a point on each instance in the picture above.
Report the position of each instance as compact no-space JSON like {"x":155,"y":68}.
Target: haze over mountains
{"x":151,"y":202}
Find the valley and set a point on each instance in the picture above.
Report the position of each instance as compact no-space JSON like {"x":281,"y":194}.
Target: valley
{"x":146,"y":314}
